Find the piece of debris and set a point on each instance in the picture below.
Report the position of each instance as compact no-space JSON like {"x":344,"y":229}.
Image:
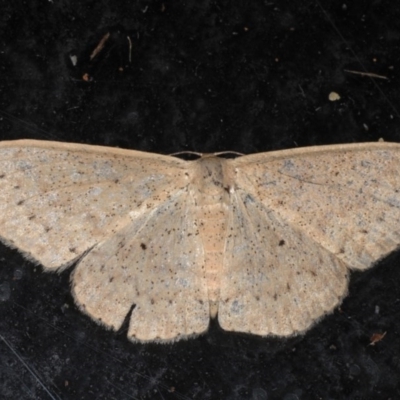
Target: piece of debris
{"x":74,"y":59}
{"x":370,"y":74}
{"x":376,"y":337}
{"x":333,"y":96}
{"x":100,"y":46}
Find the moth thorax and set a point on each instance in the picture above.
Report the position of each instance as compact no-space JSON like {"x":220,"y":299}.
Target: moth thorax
{"x":210,"y":176}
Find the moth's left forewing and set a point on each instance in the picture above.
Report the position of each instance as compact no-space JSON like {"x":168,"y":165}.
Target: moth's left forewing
{"x":57,"y":200}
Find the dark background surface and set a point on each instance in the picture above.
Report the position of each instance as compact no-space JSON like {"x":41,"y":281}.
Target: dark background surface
{"x":209,"y":76}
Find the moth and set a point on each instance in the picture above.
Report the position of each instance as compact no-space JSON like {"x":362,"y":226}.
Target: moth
{"x":263,"y":242}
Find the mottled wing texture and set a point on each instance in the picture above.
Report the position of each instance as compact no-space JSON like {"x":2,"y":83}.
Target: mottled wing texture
{"x":127,"y":213}
{"x":300,"y":219}
{"x":58,"y":200}
{"x":156,"y":263}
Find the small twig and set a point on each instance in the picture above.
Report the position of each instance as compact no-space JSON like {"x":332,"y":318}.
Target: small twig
{"x":370,"y":74}
{"x":130,"y":48}
{"x":100,"y":46}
